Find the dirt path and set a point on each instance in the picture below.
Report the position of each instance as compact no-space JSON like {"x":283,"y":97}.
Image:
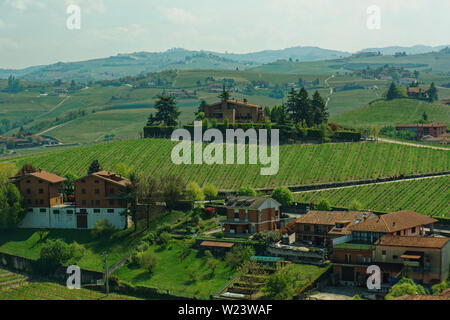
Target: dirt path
{"x":412,"y":144}
{"x":331,"y":89}
{"x":54,"y":108}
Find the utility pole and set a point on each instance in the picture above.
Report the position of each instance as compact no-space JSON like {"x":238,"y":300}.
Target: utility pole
{"x":106,"y":273}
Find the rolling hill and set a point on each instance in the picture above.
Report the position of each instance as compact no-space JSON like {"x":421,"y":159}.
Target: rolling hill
{"x":390,"y":113}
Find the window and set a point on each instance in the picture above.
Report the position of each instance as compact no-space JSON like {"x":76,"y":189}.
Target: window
{"x":30,"y":209}
{"x":236,"y":215}
{"x":307,"y":227}
{"x":413,"y":230}
{"x":112,"y":191}
{"x":96,"y":210}
{"x":43,"y":210}
{"x":28,"y":181}
{"x":97,"y":191}
{"x":69,"y":211}
{"x":348,"y":258}
{"x":96,"y":182}
{"x":83,"y":191}
{"x":110,"y":210}
{"x":97,"y":202}
{"x":40,"y":181}
{"x":398,"y":233}
{"x":83,"y":181}
{"x":111,"y":202}
{"x":41,"y":201}
{"x":383,"y":252}
{"x":55,"y":211}
{"x":28,"y":191}
{"x":83,"y":202}
{"x":41,"y":191}
{"x":395,"y":257}
{"x":29,"y":202}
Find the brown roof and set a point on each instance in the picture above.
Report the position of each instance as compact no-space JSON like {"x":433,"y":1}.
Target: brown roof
{"x":414,"y":242}
{"x":42,"y":175}
{"x":217,"y":244}
{"x":418,"y":89}
{"x":421,"y":125}
{"x":110,"y":177}
{"x":239,"y":103}
{"x":393,"y":222}
{"x":331,"y":218}
{"x":445,"y":295}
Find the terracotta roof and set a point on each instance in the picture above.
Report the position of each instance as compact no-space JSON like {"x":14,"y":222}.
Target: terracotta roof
{"x":393,"y":222}
{"x":421,"y":125}
{"x":413,"y":242}
{"x":110,"y":177}
{"x":445,"y":295}
{"x":331,"y":218}
{"x":418,"y":89}
{"x":245,"y":202}
{"x":217,"y":244}
{"x":43,"y":175}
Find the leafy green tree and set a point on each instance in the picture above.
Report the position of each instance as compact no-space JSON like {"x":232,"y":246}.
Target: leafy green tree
{"x":324,"y":205}
{"x":283,"y":196}
{"x":7,"y":170}
{"x":355,"y":205}
{"x":172,"y":188}
{"x":210,"y":191}
{"x":13,"y":207}
{"x":167,"y":110}
{"x":247,"y":191}
{"x":147,"y":260}
{"x":394,"y":92}
{"x":102,"y":229}
{"x":405,"y":287}
{"x":130,"y":196}
{"x":238,"y":255}
{"x":123,"y":169}
{"x":194,"y":192}
{"x":279,"y":286}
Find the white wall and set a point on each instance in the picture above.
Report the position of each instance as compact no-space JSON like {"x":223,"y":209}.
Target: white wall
{"x":64,"y":220}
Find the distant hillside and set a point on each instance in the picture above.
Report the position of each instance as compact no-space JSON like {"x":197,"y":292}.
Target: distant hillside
{"x":418,"y":49}
{"x":390,"y":113}
{"x":436,"y":62}
{"x":295,"y":53}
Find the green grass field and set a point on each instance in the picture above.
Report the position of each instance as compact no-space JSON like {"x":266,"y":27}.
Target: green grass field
{"x":172,"y":272}
{"x":427,"y":196}
{"x":17,"y":287}
{"x":298,"y":165}
{"x":390,"y":113}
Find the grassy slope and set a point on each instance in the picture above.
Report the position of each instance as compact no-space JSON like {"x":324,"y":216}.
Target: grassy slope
{"x":385,"y":113}
{"x":428,"y":196}
{"x":172,"y":273}
{"x":299,"y":164}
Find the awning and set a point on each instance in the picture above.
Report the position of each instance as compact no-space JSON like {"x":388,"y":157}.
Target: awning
{"x":410,"y":257}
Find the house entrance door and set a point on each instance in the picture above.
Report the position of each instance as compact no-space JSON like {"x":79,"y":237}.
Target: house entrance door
{"x":82,"y":221}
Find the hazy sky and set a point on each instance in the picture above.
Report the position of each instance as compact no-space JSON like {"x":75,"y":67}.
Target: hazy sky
{"x":34,"y":32}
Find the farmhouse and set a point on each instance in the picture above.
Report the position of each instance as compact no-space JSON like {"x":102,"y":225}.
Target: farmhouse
{"x":97,"y":197}
{"x":421,"y":130}
{"x":235,"y":111}
{"x":250,"y":215}
{"x":418,"y":92}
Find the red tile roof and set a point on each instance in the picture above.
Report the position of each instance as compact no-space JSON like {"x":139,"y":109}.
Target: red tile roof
{"x":393,"y":222}
{"x":42,"y":175}
{"x":112,"y":177}
{"x":413,"y":242}
{"x":422,"y":125}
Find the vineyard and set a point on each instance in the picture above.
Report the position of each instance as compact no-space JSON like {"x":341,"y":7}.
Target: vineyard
{"x":17,"y":287}
{"x":426,"y":196}
{"x":299,"y":164}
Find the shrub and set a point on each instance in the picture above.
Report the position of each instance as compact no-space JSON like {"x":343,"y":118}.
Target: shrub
{"x":194,"y":192}
{"x":57,"y":252}
{"x":268,"y":237}
{"x":164,"y":238}
{"x":247,"y":191}
{"x":238,"y":255}
{"x":324,"y":205}
{"x":355,"y":205}
{"x":147,"y":260}
{"x":143,"y":246}
{"x":220,"y":235}
{"x":150,"y":237}
{"x":102,"y":229}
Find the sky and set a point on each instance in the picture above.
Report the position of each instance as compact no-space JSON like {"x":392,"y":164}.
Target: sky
{"x":35,"y":32}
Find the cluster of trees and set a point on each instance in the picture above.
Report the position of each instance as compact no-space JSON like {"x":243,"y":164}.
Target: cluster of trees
{"x":167,"y":112}
{"x":301,"y":109}
{"x":14,"y":85}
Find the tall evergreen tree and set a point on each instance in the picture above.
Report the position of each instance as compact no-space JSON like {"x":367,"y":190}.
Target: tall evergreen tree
{"x":304,"y":107}
{"x":225,"y":95}
{"x":94,"y":167}
{"x":319,"y":109}
{"x":292,"y":106}
{"x":392,"y":92}
{"x":167,"y":111}
{"x":432,"y":93}
{"x":201,"y":107}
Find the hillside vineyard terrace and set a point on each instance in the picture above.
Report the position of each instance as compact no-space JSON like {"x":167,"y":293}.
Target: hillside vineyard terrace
{"x":235,"y":140}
